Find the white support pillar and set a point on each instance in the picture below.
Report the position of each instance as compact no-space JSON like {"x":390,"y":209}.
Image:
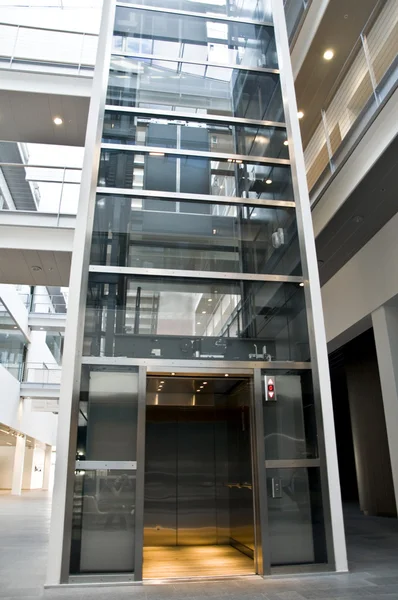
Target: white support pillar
{"x":17,"y":472}
{"x":47,"y":467}
{"x":385,"y":328}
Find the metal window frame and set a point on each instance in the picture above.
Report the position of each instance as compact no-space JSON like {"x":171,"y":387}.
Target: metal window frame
{"x":181,"y":153}
{"x":211,"y":199}
{"x":171,"y":273}
{"x":188,"y":61}
{"x":195,"y":14}
{"x":330,"y":480}
{"x":182,"y":116}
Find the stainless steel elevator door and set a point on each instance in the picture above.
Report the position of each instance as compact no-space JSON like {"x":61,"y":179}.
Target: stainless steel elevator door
{"x":198,"y":471}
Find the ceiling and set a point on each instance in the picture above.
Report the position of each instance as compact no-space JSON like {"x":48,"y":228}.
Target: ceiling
{"x":371,"y":205}
{"x":16,"y":267}
{"x":28,"y":117}
{"x":339,"y":29}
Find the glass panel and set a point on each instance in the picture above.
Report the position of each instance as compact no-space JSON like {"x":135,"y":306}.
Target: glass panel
{"x":295,"y":516}
{"x":205,"y":319}
{"x":165,"y":234}
{"x":258,"y":10}
{"x":167,"y":85}
{"x":127,"y":128}
{"x":180,"y":36}
{"x":104,"y":499}
{"x":289,"y":418}
{"x":126,"y":169}
{"x":103,"y":526}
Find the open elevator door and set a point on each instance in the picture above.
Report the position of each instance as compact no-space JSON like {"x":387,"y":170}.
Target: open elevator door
{"x":198,"y":500}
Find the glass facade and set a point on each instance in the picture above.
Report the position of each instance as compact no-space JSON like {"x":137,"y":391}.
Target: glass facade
{"x":195,"y":259}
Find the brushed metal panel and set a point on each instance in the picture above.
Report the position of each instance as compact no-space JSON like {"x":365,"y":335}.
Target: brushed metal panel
{"x":196,"y":488}
{"x":160,"y":502}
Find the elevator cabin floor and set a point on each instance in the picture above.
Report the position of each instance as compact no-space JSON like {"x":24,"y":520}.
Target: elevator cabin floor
{"x":198,"y":510}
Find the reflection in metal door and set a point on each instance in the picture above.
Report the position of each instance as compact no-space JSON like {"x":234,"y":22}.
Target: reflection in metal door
{"x":198,"y":474}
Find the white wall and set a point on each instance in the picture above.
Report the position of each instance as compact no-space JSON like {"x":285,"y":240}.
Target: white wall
{"x":18,"y":415}
{"x":6,"y":466}
{"x":366,"y":282}
{"x":13,"y":302}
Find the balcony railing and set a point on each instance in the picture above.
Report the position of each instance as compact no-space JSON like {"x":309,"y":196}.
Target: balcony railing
{"x":366,"y":81}
{"x":42,"y":373}
{"x":45,"y":303}
{"x":40,"y":188}
{"x":31,"y":48}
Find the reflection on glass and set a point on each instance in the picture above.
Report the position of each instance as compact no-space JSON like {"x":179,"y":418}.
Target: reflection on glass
{"x":166,"y":234}
{"x":158,"y":171}
{"x":12,"y":344}
{"x":187,"y":134}
{"x":183,"y":318}
{"x":295,"y":516}
{"x":183,"y":87}
{"x":289,"y":422}
{"x":103,"y":526}
{"x":104,"y":498}
{"x":194,"y":38}
{"x":256,"y":10}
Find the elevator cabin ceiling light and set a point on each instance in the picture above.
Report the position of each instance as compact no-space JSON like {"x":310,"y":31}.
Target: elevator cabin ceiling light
{"x":328,"y":54}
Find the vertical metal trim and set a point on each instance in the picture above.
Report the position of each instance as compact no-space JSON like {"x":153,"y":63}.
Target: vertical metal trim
{"x":140,"y":476}
{"x":263,"y":558}
{"x":334,"y":522}
{"x":369,"y":64}
{"x":327,"y":138}
{"x":62,"y":505}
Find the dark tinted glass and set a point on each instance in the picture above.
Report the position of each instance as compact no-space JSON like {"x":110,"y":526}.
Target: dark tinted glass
{"x":184,"y":87}
{"x":128,"y":128}
{"x":167,"y":234}
{"x":125,"y":169}
{"x":177,"y":318}
{"x":194,"y":38}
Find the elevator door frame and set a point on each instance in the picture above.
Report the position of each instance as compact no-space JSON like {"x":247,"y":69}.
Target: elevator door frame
{"x":261,"y":548}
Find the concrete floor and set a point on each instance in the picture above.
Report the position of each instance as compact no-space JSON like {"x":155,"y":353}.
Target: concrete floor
{"x":372,"y":548}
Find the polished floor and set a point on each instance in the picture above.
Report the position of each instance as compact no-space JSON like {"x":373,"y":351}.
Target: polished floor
{"x":195,"y":561}
{"x":372,"y":551}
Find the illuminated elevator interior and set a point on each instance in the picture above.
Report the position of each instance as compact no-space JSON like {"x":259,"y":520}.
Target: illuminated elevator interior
{"x":198,"y":511}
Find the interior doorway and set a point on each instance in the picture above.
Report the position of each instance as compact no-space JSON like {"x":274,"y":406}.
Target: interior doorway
{"x":198,"y":506}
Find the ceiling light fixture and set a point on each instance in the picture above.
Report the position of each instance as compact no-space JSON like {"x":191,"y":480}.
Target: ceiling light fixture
{"x":36,"y":268}
{"x":302,"y":284}
{"x":226,"y":375}
{"x":210,"y":300}
{"x":328,"y":54}
{"x":173,"y":373}
{"x":268,"y":181}
{"x":285,"y":143}
{"x":300,"y":114}
{"x":57,"y":121}
{"x":162,"y":382}
{"x":198,"y":323}
{"x":205,"y":383}
{"x":203,"y":312}
{"x":156,"y":154}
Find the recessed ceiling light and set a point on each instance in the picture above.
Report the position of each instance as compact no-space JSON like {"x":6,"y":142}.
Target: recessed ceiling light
{"x":198,"y":323}
{"x":57,"y":121}
{"x":162,"y":382}
{"x":203,"y":312}
{"x":300,"y":114}
{"x":358,"y":219}
{"x":198,"y":390}
{"x":268,"y":181}
{"x":173,"y":373}
{"x":301,"y":284}
{"x":226,"y":375}
{"x":328,"y":55}
{"x":210,"y":300}
{"x":156,"y":154}
{"x":15,"y":327}
{"x":205,"y":383}
{"x":36,"y":268}
{"x":285,"y":143}
{"x":201,"y":387}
